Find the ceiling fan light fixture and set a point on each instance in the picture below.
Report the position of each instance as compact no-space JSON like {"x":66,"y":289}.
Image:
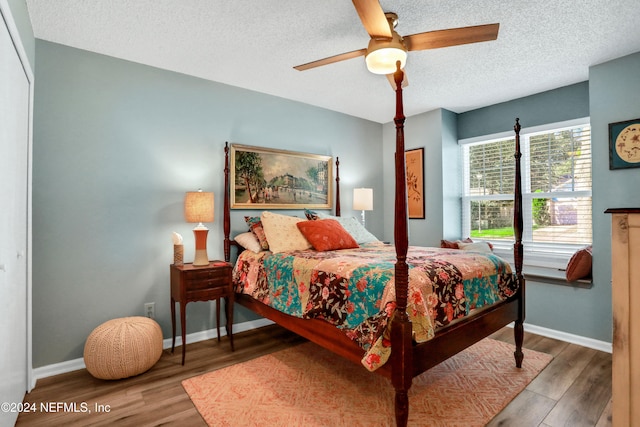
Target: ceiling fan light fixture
{"x":382,"y":55}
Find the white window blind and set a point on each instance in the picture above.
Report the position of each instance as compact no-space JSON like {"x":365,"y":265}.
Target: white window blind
{"x":556,"y":186}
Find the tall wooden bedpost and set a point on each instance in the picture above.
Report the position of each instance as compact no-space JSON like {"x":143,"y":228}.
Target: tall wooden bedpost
{"x":401,"y":329}
{"x":227,"y":219}
{"x":518,"y":250}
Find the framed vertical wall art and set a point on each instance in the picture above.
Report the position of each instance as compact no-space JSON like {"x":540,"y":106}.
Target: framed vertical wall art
{"x":624,"y":144}
{"x":414,"y":161}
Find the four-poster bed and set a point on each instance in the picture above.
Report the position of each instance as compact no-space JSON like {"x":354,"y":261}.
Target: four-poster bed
{"x":408,"y":358}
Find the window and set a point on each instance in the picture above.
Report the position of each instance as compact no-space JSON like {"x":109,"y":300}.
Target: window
{"x":556,"y":187}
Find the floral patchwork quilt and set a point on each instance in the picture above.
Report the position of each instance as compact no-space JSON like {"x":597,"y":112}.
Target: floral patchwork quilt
{"x":354,"y":288}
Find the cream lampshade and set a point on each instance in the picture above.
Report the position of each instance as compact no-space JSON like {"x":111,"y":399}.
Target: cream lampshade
{"x":363,"y":200}
{"x":198,"y":207}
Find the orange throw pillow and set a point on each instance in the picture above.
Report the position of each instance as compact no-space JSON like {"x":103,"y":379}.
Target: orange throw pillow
{"x":326,"y":235}
{"x":579,"y":266}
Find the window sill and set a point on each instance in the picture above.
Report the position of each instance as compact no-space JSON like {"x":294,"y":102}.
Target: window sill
{"x":553,"y":276}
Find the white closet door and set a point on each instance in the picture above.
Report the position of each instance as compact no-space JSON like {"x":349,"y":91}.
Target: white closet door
{"x":14,"y":179}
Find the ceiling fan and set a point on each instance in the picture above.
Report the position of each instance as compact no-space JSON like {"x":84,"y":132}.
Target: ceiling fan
{"x":386,"y":46}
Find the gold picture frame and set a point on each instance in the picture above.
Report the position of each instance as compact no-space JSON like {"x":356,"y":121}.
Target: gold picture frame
{"x":266,"y":178}
{"x":414,"y":166}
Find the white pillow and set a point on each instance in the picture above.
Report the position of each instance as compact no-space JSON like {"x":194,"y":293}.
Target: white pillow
{"x":475,"y":247}
{"x":353,"y":226}
{"x":282,"y":232}
{"x":249,"y":241}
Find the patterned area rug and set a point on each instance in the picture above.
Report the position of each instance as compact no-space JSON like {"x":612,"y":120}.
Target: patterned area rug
{"x":307,"y":385}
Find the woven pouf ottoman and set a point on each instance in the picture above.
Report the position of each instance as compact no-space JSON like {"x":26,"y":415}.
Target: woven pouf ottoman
{"x":122,"y":348}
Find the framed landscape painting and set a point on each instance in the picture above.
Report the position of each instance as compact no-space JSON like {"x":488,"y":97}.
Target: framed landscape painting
{"x":414,"y":161}
{"x":265,"y":178}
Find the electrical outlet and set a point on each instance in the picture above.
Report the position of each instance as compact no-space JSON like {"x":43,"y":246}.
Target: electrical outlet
{"x":150,"y":310}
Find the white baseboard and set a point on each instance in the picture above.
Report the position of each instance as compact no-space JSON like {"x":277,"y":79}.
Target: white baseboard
{"x":74,"y":365}
{"x":212,"y":333}
{"x":570,"y":338}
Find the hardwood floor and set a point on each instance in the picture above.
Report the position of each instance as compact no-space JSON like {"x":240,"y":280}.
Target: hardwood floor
{"x":574,"y":389}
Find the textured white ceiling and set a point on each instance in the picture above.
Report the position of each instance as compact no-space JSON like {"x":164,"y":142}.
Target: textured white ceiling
{"x":542,"y":44}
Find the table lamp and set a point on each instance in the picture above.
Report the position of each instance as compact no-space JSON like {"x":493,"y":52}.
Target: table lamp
{"x":198,"y":207}
{"x":363,"y":200}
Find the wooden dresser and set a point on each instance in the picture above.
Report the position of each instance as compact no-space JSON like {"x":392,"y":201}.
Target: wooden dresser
{"x":625,"y":275}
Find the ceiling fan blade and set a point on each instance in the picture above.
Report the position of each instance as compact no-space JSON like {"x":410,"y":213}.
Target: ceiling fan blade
{"x":331,"y":59}
{"x":452,"y":37}
{"x":373,"y":18}
{"x":392,"y":80}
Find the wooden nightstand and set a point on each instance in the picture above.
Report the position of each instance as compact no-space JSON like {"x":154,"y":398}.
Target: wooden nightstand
{"x":203,"y":283}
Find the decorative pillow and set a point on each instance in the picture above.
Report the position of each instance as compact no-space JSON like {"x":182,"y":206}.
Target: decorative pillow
{"x":311,"y":215}
{"x":255,"y":225}
{"x":579,"y":266}
{"x":448,"y":244}
{"x":353,"y":227}
{"x":282,"y":233}
{"x":326,"y":235}
{"x":249,"y":241}
{"x":468,"y":240}
{"x":475,"y":247}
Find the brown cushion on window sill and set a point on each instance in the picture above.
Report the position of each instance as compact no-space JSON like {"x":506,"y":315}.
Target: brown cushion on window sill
{"x":579,"y":266}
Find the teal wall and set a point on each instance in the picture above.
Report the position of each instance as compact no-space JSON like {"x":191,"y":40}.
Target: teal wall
{"x":451,"y":178}
{"x":565,"y":103}
{"x":22,"y":20}
{"x":436,"y":132}
{"x":613,"y":98}
{"x":116,"y":145}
